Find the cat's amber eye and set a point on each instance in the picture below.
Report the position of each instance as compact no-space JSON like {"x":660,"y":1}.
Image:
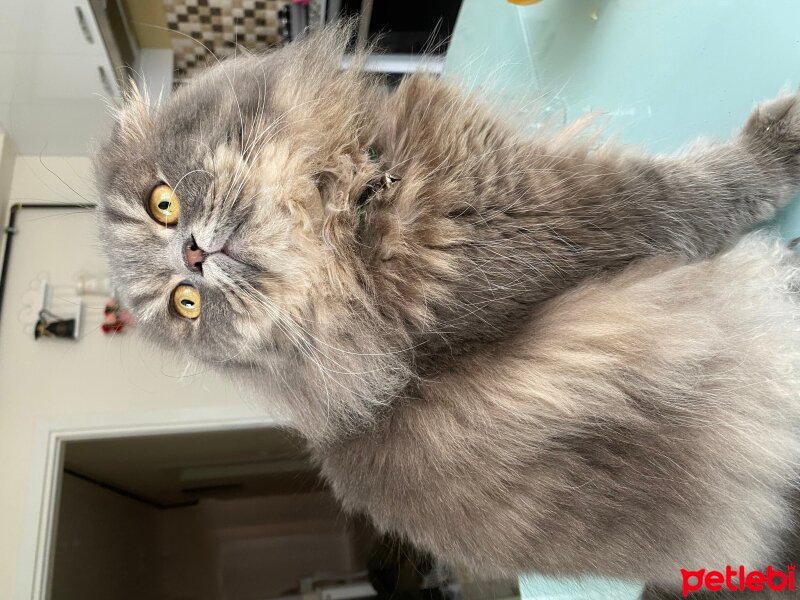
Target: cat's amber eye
{"x":186,"y":301}
{"x":163,"y":205}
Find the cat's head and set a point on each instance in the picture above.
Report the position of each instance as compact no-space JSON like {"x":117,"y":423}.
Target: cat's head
{"x":216,"y":207}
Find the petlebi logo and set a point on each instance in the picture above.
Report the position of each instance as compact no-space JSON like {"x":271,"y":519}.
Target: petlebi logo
{"x":738,"y":579}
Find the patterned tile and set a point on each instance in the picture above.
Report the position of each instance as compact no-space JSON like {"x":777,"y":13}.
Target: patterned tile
{"x":218,"y":26}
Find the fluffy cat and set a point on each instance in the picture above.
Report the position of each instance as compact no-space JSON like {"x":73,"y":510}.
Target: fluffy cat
{"x":447,"y":307}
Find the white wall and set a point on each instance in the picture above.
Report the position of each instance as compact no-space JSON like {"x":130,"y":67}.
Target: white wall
{"x":110,"y":547}
{"x":98,"y":380}
{"x":251,"y":547}
{"x":7,"y":156}
{"x":154,"y":73}
{"x":114,"y":534}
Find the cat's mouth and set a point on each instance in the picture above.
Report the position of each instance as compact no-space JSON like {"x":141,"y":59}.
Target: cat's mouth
{"x":232,"y":252}
{"x":231,"y":249}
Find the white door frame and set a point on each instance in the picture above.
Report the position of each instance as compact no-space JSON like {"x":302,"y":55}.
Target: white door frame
{"x":35,"y":565}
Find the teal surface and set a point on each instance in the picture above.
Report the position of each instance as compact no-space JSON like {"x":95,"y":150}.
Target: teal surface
{"x":539,"y":587}
{"x":663,"y":72}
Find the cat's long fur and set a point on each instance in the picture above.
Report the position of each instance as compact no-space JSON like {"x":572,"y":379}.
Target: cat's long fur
{"x":639,"y":423}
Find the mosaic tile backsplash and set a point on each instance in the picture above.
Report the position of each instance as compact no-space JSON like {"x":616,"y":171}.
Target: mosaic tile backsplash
{"x":218,"y":26}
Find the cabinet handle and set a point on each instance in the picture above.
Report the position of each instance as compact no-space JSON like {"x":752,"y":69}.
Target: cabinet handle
{"x":104,"y":81}
{"x":84,"y":25}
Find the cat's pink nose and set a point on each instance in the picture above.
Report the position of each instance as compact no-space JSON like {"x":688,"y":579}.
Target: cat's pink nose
{"x":194,"y":256}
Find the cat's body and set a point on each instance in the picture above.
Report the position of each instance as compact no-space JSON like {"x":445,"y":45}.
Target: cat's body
{"x":637,"y":425}
{"x":640,"y":423}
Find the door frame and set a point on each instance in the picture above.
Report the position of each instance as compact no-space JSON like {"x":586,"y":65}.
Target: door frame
{"x":37,"y":552}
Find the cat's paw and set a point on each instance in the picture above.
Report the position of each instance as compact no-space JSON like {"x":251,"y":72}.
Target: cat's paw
{"x":773,"y":132}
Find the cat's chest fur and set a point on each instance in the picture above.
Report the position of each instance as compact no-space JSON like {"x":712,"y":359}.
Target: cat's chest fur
{"x":474,"y":470}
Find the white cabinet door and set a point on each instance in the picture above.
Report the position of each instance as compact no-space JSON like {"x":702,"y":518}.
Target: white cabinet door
{"x":55,"y":76}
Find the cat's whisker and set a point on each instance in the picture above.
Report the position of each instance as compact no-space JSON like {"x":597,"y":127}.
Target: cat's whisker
{"x":61,"y":179}
{"x":301,"y":345}
{"x":309,"y":334}
{"x":58,"y":215}
{"x":300,"y":336}
{"x":177,"y":32}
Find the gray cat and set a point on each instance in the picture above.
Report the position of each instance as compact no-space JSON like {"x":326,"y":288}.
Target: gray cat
{"x":522,"y":353}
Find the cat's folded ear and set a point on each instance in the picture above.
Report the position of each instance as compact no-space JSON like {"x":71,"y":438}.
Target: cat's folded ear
{"x":132,"y":117}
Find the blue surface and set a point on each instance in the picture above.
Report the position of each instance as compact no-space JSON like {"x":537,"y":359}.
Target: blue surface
{"x":664,"y":72}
